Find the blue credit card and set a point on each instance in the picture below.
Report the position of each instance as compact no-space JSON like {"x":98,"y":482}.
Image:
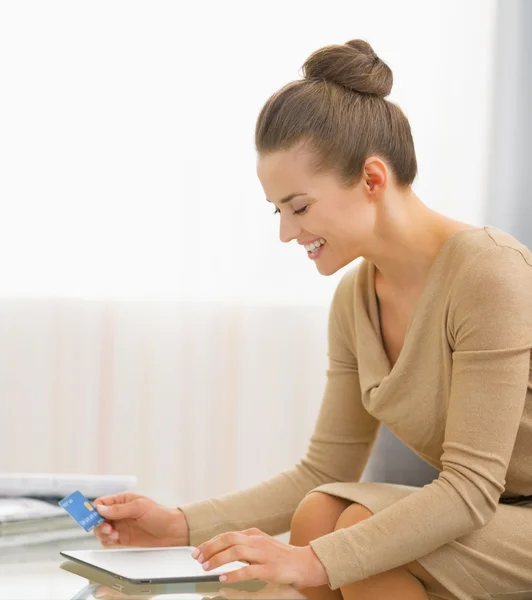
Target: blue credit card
{"x":81,"y":510}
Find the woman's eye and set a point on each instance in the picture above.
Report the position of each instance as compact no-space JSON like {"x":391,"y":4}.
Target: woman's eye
{"x":301,"y":211}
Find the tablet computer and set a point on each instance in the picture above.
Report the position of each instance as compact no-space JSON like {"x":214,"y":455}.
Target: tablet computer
{"x":150,"y":565}
{"x":102,"y":581}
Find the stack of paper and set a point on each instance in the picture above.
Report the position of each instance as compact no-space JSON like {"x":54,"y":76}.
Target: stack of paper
{"x":31,"y":518}
{"x":26,"y":515}
{"x":37,"y":529}
{"x":54,"y":485}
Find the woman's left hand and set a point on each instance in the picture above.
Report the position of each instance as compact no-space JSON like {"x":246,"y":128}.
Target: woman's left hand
{"x":270,"y":560}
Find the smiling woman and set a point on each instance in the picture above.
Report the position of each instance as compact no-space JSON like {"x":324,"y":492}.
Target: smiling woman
{"x":429,"y":334}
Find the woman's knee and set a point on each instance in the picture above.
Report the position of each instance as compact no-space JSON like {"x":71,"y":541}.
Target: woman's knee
{"x":351,"y":515}
{"x":316,"y":515}
{"x":355,"y":513}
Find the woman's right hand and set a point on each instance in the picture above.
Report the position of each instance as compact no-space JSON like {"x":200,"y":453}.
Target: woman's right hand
{"x":135,"y":520}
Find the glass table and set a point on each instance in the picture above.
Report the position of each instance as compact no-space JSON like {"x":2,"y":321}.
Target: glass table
{"x":65,"y":580}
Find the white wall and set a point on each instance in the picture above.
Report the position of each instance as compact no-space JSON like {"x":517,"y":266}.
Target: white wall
{"x":126,"y":136}
{"x":127,"y":172}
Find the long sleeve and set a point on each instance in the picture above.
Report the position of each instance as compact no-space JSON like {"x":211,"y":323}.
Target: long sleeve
{"x":338,"y":450}
{"x":490,"y":332}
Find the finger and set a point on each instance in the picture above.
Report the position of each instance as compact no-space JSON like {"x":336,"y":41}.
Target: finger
{"x":108,"y":544}
{"x":113,"y":538}
{"x":221,"y":542}
{"x":238,"y":552}
{"x":110,"y":539}
{"x":104,"y":529}
{"x":128,"y":510}
{"x":243,"y":574}
{"x":120,"y":498}
{"x":106,"y":534}
{"x":254,"y":531}
{"x":109,"y":500}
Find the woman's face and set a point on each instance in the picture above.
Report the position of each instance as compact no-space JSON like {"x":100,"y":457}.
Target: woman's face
{"x":333,"y":224}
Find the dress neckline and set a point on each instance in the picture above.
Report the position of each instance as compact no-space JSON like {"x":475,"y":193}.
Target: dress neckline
{"x":434,"y":269}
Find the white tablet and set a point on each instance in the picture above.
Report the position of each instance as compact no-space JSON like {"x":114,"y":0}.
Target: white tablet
{"x":150,"y":565}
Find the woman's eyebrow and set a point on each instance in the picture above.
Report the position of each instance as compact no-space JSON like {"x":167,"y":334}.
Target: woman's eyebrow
{"x":289,"y":197}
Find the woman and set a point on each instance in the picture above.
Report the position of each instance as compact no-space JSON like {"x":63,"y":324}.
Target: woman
{"x":431,"y":334}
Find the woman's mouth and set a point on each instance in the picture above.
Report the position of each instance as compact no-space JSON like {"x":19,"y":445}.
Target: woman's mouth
{"x":314,"y":249}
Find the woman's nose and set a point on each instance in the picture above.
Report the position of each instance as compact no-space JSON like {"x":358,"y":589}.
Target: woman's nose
{"x":288,"y":230}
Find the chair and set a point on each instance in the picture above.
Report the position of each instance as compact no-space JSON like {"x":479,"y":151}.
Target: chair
{"x":391,"y":461}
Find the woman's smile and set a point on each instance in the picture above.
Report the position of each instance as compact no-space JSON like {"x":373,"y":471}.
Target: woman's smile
{"x":314,"y":248}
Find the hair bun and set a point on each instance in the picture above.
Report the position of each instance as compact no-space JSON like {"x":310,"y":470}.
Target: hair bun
{"x":353,"y":65}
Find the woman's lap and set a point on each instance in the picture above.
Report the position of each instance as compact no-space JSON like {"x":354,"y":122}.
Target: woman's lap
{"x":492,"y":563}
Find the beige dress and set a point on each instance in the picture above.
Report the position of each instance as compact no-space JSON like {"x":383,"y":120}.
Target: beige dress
{"x":460,"y":395}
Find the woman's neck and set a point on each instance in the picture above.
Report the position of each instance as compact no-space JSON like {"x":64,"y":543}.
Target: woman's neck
{"x":408,"y":237}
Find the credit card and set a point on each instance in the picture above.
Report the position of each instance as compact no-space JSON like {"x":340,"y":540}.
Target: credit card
{"x":81,"y":510}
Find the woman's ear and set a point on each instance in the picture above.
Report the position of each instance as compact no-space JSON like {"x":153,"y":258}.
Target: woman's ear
{"x":375,"y":176}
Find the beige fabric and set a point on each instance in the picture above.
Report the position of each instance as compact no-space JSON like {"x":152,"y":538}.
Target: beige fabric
{"x":460,"y":395}
{"x":495,"y":558}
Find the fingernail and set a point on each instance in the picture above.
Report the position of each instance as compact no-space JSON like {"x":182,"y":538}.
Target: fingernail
{"x":200,"y":558}
{"x":195,"y":553}
{"x":106,"y":528}
{"x":223,"y":577}
{"x":205,"y":565}
{"x":102,"y":508}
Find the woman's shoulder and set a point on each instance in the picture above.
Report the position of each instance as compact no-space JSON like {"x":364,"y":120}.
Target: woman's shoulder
{"x":489,"y":255}
{"x":491,"y":287}
{"x":495,"y":238}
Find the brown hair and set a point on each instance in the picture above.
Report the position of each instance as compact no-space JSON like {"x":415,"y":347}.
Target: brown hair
{"x":338,"y":112}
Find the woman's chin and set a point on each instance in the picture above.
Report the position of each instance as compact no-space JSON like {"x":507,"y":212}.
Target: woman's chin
{"x":327,"y":268}
{"x":331,"y":267}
